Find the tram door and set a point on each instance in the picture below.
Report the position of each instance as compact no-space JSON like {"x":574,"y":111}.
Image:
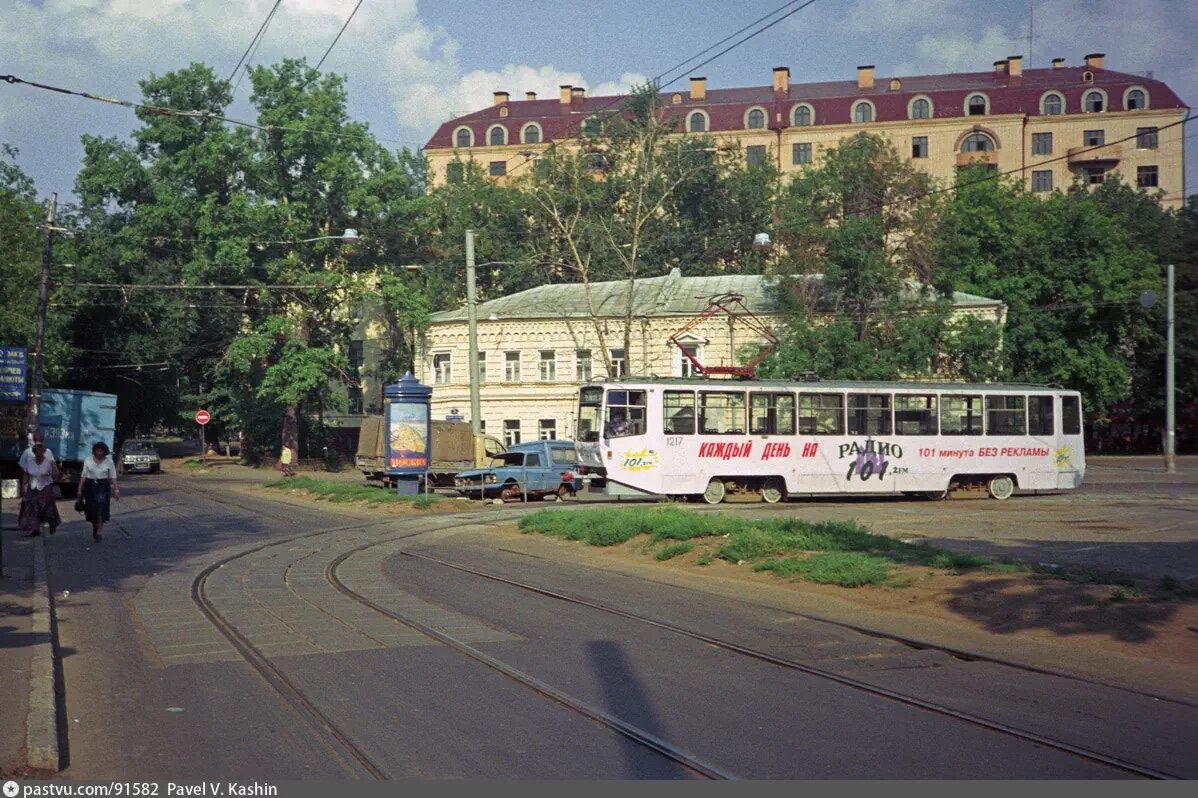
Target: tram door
{"x":680,"y":463}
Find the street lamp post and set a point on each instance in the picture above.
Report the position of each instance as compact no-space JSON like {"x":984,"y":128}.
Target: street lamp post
{"x":472,"y":337}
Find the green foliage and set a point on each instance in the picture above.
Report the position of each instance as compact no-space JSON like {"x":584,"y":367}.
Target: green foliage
{"x":20,"y":251}
{"x":672,"y":550}
{"x":846,"y":569}
{"x":345,"y":492}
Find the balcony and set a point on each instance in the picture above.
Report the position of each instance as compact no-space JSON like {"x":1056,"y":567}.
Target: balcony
{"x":1094,"y":154}
{"x":987,"y":157}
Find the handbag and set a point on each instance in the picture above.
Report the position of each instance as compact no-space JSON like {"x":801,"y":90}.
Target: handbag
{"x":80,"y":505}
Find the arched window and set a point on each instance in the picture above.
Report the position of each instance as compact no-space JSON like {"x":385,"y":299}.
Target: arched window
{"x":1135,"y":100}
{"x":697,"y":122}
{"x":593,"y":126}
{"x":1094,"y":102}
{"x":497,"y":136}
{"x":863,"y":112}
{"x":1052,"y":104}
{"x":803,"y":115}
{"x":977,"y":142}
{"x":921,"y":108}
{"x":977,"y":105}
{"x":463,"y":137}
{"x":755,"y":119}
{"x":531,"y":134}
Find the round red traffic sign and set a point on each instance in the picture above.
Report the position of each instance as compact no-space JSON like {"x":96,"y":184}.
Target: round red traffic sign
{"x":202,"y":417}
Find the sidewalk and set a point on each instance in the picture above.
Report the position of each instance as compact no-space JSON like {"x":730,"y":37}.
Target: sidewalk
{"x":16,"y":633}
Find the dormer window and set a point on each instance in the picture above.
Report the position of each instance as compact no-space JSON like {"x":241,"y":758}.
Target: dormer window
{"x":977,"y":105}
{"x":863,"y":112}
{"x":755,"y":119}
{"x":531,"y":134}
{"x":1094,"y":102}
{"x":1136,"y":100}
{"x":497,"y":136}
{"x":1052,"y":104}
{"x":803,"y":115}
{"x":921,"y":108}
{"x":697,"y":122}
{"x":463,"y":137}
{"x":593,"y":126}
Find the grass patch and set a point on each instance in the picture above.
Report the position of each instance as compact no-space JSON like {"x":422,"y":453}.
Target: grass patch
{"x":704,"y":558}
{"x":194,"y":464}
{"x":844,"y":568}
{"x":672,"y":550}
{"x":346,"y":492}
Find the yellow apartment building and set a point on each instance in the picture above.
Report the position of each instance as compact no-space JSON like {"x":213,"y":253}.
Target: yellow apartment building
{"x":1051,"y":126}
{"x":536,"y":347}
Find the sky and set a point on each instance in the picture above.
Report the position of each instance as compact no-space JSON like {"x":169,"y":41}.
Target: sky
{"x":410,"y":65}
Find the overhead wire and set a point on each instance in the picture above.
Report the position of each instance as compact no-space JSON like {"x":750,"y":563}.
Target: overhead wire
{"x":338,"y":37}
{"x":252,"y":48}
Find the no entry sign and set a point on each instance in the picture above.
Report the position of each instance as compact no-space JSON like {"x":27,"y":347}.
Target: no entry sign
{"x":202,"y":417}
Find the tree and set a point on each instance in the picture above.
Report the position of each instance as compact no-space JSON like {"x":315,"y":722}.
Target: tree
{"x":1071,"y":273}
{"x":19,"y":251}
{"x":602,"y":206}
{"x":859,"y":234}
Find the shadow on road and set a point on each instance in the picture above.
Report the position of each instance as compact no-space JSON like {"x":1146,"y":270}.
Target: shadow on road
{"x":1007,"y":605}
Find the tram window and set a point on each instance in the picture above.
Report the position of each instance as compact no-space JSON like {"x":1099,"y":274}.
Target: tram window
{"x":590,"y":413}
{"x":721,"y":413}
{"x":772,"y":413}
{"x":1071,"y":415}
{"x":869,"y":414}
{"x":678,"y":412}
{"x":1006,"y":415}
{"x":1039,"y":415}
{"x":625,"y":414}
{"x":914,"y":415}
{"x":960,"y":415}
{"x":821,"y":414}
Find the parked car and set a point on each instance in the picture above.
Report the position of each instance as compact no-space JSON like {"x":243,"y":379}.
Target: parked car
{"x":140,"y":456}
{"x":532,"y":470}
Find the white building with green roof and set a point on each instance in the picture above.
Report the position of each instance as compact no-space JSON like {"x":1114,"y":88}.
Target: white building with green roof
{"x":537,"y":346}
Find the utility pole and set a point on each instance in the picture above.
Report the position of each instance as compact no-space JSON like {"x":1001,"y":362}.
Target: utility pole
{"x":472,"y":336}
{"x":43,"y":304}
{"x":1170,"y":408}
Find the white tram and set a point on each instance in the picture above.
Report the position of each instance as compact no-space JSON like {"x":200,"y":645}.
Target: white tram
{"x":709,"y":438}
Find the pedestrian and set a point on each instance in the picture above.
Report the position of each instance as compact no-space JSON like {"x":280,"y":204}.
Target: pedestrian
{"x":98,"y":487}
{"x":286,"y":458}
{"x":39,"y":472}
{"x":34,"y":439}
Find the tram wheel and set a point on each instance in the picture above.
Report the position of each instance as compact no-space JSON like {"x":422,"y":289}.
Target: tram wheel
{"x":1000,"y":487}
{"x":716,"y":490}
{"x":773,"y":490}
{"x":936,"y":495}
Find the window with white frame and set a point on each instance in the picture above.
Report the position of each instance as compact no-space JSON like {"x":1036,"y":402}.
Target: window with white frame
{"x":547,"y":429}
{"x":1094,"y":101}
{"x":755,"y":119}
{"x":803,"y":116}
{"x":442,"y":368}
{"x":482,"y":366}
{"x":921,"y":108}
{"x":531,"y":133}
{"x":863,"y":112}
{"x":1052,"y":104}
{"x":696,"y":122}
{"x":800,"y":153}
{"x":1041,"y":180}
{"x":497,"y":136}
{"x":511,"y":366}
{"x":463,"y":137}
{"x":977,"y":104}
{"x":618,"y":364}
{"x":548,"y":365}
{"x":583,"y":365}
{"x":1135,"y":100}
{"x":684,"y":366}
{"x":511,"y":432}
{"x":1041,"y":144}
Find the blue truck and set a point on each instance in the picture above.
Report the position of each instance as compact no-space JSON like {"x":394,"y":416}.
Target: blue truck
{"x":72,"y":421}
{"x":526,"y":470}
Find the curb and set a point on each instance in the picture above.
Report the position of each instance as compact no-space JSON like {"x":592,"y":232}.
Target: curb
{"x":41,"y":727}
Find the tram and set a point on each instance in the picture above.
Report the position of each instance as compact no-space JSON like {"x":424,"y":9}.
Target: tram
{"x":779,"y":439}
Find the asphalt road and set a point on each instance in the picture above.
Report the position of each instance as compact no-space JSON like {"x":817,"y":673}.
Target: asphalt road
{"x":154,"y":691}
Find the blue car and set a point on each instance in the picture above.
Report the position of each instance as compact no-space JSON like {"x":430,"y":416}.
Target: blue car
{"x":540,"y":469}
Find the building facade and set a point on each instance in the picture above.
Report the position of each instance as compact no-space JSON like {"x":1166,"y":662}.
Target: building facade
{"x":535,"y":348}
{"x":1052,"y":126}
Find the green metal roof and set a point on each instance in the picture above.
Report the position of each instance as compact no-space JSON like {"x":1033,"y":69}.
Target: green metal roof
{"x":670,"y":294}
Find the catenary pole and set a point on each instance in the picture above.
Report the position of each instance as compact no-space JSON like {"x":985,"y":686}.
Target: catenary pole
{"x":472,"y":336}
{"x":43,"y":304}
{"x":1170,"y":391}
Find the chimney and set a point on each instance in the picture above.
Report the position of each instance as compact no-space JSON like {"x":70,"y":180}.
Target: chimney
{"x":781,"y":80}
{"x":1058,"y":63}
{"x":565,"y":93}
{"x":698,"y":88}
{"x":1015,"y":66}
{"x":578,"y":91}
{"x":1094,"y":60}
{"x":865,"y":77}
{"x":530,"y":96}
{"x":1000,"y":67}
{"x":501,"y":97}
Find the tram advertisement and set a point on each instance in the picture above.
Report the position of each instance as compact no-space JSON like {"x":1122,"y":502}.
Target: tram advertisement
{"x":407,"y":435}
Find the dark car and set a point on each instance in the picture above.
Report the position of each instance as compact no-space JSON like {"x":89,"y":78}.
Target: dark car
{"x":140,"y":456}
{"x":539,"y":469}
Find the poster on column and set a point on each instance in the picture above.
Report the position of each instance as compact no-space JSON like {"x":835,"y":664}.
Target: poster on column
{"x":407,"y":436}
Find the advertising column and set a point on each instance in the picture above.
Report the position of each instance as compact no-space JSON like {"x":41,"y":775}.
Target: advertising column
{"x":408,"y":426}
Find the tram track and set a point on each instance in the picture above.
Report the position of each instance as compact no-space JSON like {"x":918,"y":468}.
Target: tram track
{"x":846,"y":681}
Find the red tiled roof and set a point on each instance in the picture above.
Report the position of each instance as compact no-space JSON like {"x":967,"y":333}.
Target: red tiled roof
{"x":833,"y":101}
